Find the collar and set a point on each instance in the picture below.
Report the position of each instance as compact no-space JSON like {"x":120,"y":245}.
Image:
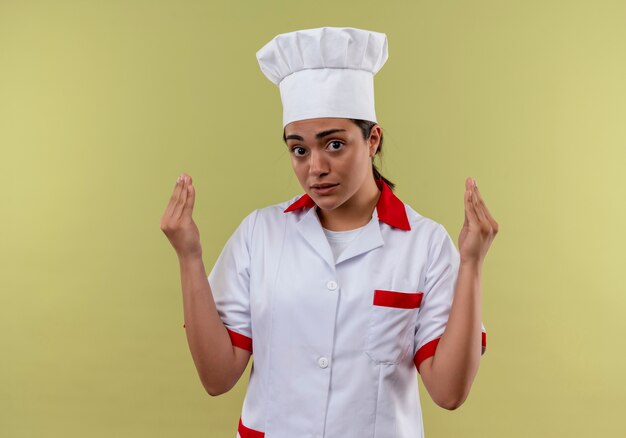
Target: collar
{"x":390,"y":208}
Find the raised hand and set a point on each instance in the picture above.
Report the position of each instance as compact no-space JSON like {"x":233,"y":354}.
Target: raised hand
{"x":177,"y":223}
{"x":479,"y":228}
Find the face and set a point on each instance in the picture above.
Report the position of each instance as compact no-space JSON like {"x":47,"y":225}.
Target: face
{"x":330,"y":158}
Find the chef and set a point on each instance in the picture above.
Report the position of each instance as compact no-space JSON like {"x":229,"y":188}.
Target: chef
{"x":345,"y":296}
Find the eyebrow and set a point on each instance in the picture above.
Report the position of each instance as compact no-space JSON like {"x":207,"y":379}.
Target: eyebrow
{"x":317,"y":136}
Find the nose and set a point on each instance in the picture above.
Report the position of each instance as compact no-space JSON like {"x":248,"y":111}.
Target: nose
{"x":318,"y":164}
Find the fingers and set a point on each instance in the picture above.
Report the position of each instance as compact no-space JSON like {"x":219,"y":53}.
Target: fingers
{"x":477,"y":207}
{"x":485,"y":211}
{"x":191,"y":197}
{"x":171,"y":205}
{"x":482,"y":213}
{"x":470,"y":212}
{"x":182,"y":197}
{"x":178,"y":199}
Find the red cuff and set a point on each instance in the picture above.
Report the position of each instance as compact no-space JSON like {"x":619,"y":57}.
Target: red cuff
{"x":239,"y":340}
{"x":484,"y":343}
{"x":246,"y":432}
{"x":429,"y":348}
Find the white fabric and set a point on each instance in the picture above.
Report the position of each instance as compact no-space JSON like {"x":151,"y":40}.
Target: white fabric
{"x":328,"y":363}
{"x":339,"y":240}
{"x":325,"y":72}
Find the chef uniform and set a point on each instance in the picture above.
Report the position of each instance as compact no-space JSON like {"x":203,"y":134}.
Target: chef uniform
{"x":336,"y":337}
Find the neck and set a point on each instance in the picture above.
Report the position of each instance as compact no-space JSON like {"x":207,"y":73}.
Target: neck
{"x":355,"y":212}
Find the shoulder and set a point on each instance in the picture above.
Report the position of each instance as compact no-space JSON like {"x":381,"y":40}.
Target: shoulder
{"x":424,"y":225}
{"x":272,"y":215}
{"x":429,"y":233}
{"x":276,"y":211}
{"x":433,"y":238}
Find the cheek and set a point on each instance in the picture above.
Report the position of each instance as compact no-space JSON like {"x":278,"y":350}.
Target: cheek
{"x":358,"y":164}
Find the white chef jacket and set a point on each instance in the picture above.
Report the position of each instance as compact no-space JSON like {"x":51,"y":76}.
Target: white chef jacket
{"x":336,"y":344}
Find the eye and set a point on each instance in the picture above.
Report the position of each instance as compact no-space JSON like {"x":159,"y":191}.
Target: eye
{"x":298,"y":151}
{"x":338,"y":145}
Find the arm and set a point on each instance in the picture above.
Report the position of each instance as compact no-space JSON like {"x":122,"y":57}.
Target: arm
{"x":448,"y":374}
{"x":218,"y":362}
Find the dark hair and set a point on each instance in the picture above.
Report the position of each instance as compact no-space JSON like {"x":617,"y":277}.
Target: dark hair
{"x":366,"y":128}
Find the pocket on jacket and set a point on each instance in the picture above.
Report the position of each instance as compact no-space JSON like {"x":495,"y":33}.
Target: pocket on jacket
{"x":392,"y":318}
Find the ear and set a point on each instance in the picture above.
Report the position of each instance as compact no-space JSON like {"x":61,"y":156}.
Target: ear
{"x":374,"y":140}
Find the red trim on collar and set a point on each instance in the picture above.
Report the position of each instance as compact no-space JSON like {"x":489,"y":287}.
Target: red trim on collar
{"x":304,"y":201}
{"x":390,"y":208}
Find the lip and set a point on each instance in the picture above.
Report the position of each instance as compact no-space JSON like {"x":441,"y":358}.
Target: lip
{"x":324,"y":190}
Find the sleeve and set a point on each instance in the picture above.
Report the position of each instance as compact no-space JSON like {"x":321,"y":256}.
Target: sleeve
{"x":230,"y":284}
{"x":439,"y":285}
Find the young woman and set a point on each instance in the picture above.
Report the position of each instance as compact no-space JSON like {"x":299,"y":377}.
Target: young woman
{"x":343,"y":294}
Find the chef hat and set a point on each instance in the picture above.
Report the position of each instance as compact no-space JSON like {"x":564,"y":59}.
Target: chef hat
{"x":325,"y":72}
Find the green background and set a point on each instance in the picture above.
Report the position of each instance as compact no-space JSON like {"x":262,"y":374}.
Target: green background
{"x":104,"y":104}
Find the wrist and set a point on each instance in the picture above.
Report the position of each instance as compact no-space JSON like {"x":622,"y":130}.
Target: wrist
{"x":190,"y":258}
{"x":471,"y":265}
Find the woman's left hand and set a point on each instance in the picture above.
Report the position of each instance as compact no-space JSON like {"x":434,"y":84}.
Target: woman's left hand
{"x":479,"y":228}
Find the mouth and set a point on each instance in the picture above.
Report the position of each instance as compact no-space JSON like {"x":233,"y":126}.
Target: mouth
{"x":323,"y":186}
{"x":322,"y":189}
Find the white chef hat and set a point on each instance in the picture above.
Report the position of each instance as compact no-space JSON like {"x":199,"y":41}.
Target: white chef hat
{"x":325,"y":72}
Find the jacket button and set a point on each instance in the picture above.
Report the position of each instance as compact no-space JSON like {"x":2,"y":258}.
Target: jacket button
{"x":322,"y":362}
{"x":331,"y":285}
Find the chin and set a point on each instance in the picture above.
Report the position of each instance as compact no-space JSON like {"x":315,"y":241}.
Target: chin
{"x":327,"y":202}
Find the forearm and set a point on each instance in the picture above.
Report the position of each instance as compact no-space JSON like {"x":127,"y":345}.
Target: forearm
{"x":209,"y":342}
{"x":458,"y":352}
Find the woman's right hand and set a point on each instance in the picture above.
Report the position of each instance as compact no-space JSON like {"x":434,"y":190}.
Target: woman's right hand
{"x":177,"y":223}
